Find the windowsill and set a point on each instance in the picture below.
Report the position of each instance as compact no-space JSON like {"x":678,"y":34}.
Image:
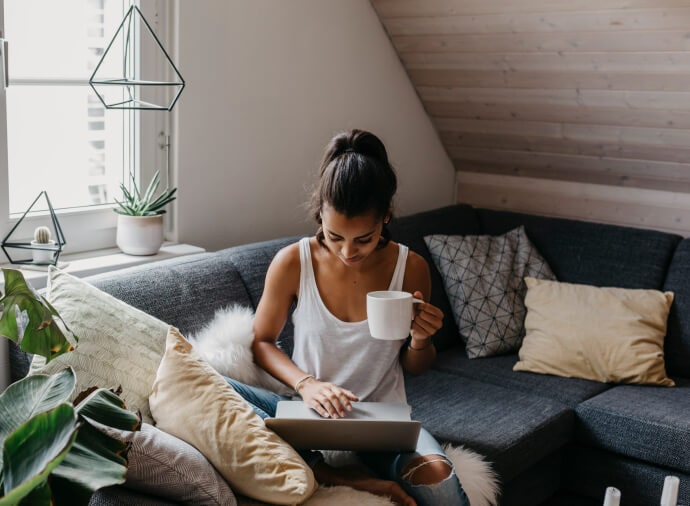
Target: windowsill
{"x":96,"y":262}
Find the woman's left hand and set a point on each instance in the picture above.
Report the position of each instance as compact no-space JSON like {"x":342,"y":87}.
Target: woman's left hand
{"x":428,"y":319}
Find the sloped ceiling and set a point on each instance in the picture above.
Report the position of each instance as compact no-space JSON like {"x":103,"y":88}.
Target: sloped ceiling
{"x":593,"y":91}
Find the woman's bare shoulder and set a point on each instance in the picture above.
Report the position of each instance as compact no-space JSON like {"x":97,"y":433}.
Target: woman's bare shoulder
{"x":282,"y":277}
{"x":287,"y":255}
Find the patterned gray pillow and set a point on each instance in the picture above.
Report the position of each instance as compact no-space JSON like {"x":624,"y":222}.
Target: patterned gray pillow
{"x":484,"y":279}
{"x":164,"y":466}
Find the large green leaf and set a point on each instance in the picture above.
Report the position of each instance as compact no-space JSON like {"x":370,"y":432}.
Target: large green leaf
{"x":35,"y":449}
{"x":107,"y":408}
{"x":32,"y":395}
{"x":30,"y":321}
{"x":96,"y":459}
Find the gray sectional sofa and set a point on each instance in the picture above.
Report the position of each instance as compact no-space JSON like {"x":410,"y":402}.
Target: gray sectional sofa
{"x":552,"y":440}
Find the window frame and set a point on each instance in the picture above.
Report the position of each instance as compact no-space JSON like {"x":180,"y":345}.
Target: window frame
{"x":94,"y":227}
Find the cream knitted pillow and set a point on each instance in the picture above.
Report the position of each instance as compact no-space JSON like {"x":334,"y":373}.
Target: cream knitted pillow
{"x":119,"y":345}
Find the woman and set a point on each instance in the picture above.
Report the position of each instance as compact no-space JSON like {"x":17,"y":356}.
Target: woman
{"x":335,"y":360}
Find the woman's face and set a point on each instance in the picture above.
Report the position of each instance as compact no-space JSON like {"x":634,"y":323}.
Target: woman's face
{"x":352,"y":239}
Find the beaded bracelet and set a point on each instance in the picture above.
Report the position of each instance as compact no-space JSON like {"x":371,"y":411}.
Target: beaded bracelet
{"x":299,"y":383}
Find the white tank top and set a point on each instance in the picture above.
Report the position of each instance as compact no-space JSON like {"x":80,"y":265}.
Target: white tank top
{"x":344,"y":353}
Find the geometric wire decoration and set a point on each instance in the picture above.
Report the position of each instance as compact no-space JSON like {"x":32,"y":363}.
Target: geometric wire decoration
{"x":56,"y":247}
{"x":130,"y":89}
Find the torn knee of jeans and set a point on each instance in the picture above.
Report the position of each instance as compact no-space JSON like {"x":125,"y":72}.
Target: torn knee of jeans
{"x":427,"y":470}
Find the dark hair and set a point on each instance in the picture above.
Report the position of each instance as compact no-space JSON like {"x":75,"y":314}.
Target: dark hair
{"x":355,"y":178}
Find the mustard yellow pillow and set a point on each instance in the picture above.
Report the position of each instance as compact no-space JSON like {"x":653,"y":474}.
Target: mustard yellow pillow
{"x":611,"y":335}
{"x":190,"y":400}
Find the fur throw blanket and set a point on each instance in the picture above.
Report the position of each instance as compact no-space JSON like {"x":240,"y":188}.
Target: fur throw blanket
{"x":225,"y":343}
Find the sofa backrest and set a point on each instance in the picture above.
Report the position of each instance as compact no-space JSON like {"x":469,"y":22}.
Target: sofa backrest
{"x":592,"y":253}
{"x":677,"y":344}
{"x":184,"y":291}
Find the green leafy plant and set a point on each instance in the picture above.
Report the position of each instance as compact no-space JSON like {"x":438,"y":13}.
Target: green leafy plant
{"x":51,"y":450}
{"x":136,"y":203}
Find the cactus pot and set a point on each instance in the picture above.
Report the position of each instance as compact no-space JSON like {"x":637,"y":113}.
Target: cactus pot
{"x":139,"y":235}
{"x":43,"y":256}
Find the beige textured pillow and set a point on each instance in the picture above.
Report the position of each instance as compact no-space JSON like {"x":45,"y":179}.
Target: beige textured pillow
{"x":192,"y":401}
{"x":604,"y":334}
{"x":119,"y":345}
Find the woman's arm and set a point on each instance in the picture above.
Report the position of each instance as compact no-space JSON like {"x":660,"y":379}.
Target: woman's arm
{"x":280,"y":291}
{"x":420,"y":353}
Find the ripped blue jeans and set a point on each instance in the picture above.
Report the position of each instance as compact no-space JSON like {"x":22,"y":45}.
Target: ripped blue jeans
{"x":386,"y":465}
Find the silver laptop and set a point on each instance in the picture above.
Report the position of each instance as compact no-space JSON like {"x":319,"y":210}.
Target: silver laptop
{"x":370,"y":426}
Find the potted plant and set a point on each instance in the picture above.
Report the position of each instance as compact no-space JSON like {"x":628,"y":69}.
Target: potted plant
{"x":140,"y":217}
{"x":52,"y":451}
{"x":43,"y":246}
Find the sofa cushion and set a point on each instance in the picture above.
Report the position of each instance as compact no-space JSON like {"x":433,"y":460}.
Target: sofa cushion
{"x":483,"y":277}
{"x":194,"y":403}
{"x":162,"y":465}
{"x":592,"y":253}
{"x":642,"y":422}
{"x":410,"y":230}
{"x":613,"y":335}
{"x":184,"y":291}
{"x":119,"y":345}
{"x":513,"y":429}
{"x":499,"y":371}
{"x":677,"y":344}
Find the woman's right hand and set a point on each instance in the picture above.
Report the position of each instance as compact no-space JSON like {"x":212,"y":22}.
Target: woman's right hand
{"x":327,"y":399}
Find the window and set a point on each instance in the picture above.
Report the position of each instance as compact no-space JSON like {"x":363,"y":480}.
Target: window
{"x":59,"y":136}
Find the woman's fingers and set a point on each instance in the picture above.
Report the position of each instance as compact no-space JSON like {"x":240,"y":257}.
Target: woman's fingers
{"x":428,"y":320}
{"x":331,"y":401}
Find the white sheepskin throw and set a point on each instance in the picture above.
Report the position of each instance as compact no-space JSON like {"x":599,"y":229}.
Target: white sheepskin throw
{"x":225,"y":343}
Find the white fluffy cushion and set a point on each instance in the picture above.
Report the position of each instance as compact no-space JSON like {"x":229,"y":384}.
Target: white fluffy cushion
{"x":225,"y":344}
{"x":193,"y":402}
{"x":119,"y":345}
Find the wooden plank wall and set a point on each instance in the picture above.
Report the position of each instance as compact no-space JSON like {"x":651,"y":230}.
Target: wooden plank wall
{"x":576,"y":108}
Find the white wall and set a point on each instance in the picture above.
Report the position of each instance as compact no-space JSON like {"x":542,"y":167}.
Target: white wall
{"x":268,"y":84}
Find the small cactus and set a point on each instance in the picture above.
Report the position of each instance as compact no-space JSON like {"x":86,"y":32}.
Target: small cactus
{"x":42,"y":235}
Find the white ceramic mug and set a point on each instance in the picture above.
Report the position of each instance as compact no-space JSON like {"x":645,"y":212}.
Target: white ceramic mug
{"x":390,"y":314}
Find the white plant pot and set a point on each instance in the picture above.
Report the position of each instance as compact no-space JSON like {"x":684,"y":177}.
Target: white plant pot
{"x":43,"y":256}
{"x":139,"y":235}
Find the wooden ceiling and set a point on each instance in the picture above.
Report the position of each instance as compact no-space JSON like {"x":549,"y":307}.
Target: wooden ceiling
{"x":588,"y":91}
